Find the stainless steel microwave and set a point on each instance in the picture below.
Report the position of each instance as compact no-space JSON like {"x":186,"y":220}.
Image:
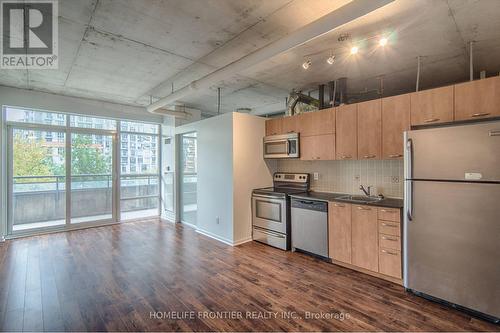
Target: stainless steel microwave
{"x":282,"y":146}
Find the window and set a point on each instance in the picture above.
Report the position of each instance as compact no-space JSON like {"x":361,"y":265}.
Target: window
{"x":128,"y":126}
{"x":34,"y":116}
{"x":92,"y":122}
{"x":90,"y":169}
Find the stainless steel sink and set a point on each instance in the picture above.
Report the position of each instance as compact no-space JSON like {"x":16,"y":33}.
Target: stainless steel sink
{"x":360,"y":198}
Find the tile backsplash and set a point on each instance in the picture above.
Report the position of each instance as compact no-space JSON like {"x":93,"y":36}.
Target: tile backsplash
{"x":386,"y":177}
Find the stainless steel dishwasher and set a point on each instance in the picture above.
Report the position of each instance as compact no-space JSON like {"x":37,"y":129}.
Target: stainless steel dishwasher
{"x":310,"y":226}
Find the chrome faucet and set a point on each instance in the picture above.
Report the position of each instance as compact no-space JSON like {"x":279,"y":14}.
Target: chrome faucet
{"x":367,"y":190}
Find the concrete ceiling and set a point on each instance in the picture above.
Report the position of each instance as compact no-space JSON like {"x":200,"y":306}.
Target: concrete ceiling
{"x":126,"y":51}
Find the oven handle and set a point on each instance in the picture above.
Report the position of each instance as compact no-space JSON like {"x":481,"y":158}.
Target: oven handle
{"x":272,"y":197}
{"x":268,"y":232}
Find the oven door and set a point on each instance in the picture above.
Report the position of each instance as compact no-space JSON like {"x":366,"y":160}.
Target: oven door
{"x":269,"y":213}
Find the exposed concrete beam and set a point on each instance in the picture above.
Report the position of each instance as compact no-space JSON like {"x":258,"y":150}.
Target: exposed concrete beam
{"x":325,"y":24}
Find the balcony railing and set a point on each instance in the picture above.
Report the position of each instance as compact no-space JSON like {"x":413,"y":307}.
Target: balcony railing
{"x":43,"y":198}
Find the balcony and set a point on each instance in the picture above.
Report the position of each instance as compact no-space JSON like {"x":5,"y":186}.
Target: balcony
{"x":40,"y":201}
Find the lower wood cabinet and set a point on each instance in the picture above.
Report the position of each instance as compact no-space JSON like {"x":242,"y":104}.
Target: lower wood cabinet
{"x":390,"y":262}
{"x":365,"y":237}
{"x":339,"y":231}
{"x":317,"y":147}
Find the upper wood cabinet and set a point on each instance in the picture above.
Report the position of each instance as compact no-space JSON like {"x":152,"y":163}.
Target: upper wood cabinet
{"x":339,"y":231}
{"x":364,"y":237}
{"x":317,"y":122}
{"x":289,"y":125}
{"x":317,"y":147}
{"x":477,"y":99}
{"x":395,"y":120}
{"x":346,"y":120}
{"x":273,"y":126}
{"x":432,"y":106}
{"x":370,"y":130}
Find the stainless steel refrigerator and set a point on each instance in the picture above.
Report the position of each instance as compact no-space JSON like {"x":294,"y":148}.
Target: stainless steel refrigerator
{"x":452,"y":215}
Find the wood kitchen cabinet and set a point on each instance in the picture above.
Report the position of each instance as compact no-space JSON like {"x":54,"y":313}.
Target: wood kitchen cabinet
{"x":389,"y":233}
{"x":477,"y":99}
{"x":346,"y":120}
{"x":370,"y":130}
{"x":395,"y":120}
{"x":365,"y":251}
{"x":289,"y":125}
{"x":339,"y":231}
{"x":317,"y":147}
{"x":432,"y":106}
{"x":317,"y":122}
{"x":273,"y":126}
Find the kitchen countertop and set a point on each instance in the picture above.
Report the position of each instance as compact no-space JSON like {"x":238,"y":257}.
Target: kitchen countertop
{"x":325,"y":196}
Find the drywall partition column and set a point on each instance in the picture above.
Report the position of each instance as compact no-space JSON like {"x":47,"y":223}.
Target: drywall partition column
{"x":215,"y":175}
{"x":250,"y":171}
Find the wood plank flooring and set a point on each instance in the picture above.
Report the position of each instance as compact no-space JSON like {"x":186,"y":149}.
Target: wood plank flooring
{"x":130,"y":277}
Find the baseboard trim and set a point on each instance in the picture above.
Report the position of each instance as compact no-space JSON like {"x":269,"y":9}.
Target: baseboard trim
{"x":214,"y":236}
{"x":243,"y":241}
{"x":366,"y":271}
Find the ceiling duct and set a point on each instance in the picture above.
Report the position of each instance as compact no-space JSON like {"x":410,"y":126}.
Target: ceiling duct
{"x":345,"y":14}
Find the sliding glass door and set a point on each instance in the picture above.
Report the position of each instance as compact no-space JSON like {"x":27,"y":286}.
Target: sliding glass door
{"x":67,"y":171}
{"x":92,"y":190}
{"x":37,"y":184}
{"x":188,"y":177}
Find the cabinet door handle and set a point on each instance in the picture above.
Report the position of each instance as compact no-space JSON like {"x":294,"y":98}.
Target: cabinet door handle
{"x":389,"y":252}
{"x":389,"y":225}
{"x":363,"y":208}
{"x":395,"y":155}
{"x":495,"y":133}
{"x":387,"y":211}
{"x":389,"y":238}
{"x":479,"y":114}
{"x":370,"y":156}
{"x":345,"y":157}
{"x":431,"y":120}
{"x":338,"y":205}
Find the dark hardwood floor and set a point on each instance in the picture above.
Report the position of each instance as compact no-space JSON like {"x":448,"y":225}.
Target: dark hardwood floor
{"x":118,"y":278}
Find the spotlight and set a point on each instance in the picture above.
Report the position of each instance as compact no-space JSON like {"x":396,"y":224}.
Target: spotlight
{"x":354,"y":50}
{"x":383,"y":41}
{"x":306,"y":64}
{"x":330,"y":60}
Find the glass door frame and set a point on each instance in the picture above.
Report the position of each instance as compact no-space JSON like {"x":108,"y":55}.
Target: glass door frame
{"x":180,"y":177}
{"x":10,"y":126}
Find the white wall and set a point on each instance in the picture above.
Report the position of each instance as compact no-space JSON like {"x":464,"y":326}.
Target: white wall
{"x":215,"y":175}
{"x":52,"y":102}
{"x":250,"y":170}
{"x":230,"y":166}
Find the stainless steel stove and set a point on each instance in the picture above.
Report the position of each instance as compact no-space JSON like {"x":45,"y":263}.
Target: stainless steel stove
{"x":271,"y":208}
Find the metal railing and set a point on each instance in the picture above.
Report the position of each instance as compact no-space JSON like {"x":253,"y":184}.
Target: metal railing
{"x":49,"y":183}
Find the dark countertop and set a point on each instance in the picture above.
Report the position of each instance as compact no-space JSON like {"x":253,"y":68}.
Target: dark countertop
{"x":324,"y":196}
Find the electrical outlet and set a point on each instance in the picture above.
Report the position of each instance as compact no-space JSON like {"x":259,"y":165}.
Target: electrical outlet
{"x":217,"y":220}
{"x":316,"y":176}
{"x":395,"y":179}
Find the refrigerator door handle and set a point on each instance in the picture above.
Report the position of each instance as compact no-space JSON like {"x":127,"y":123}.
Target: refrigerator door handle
{"x":409,"y":170}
